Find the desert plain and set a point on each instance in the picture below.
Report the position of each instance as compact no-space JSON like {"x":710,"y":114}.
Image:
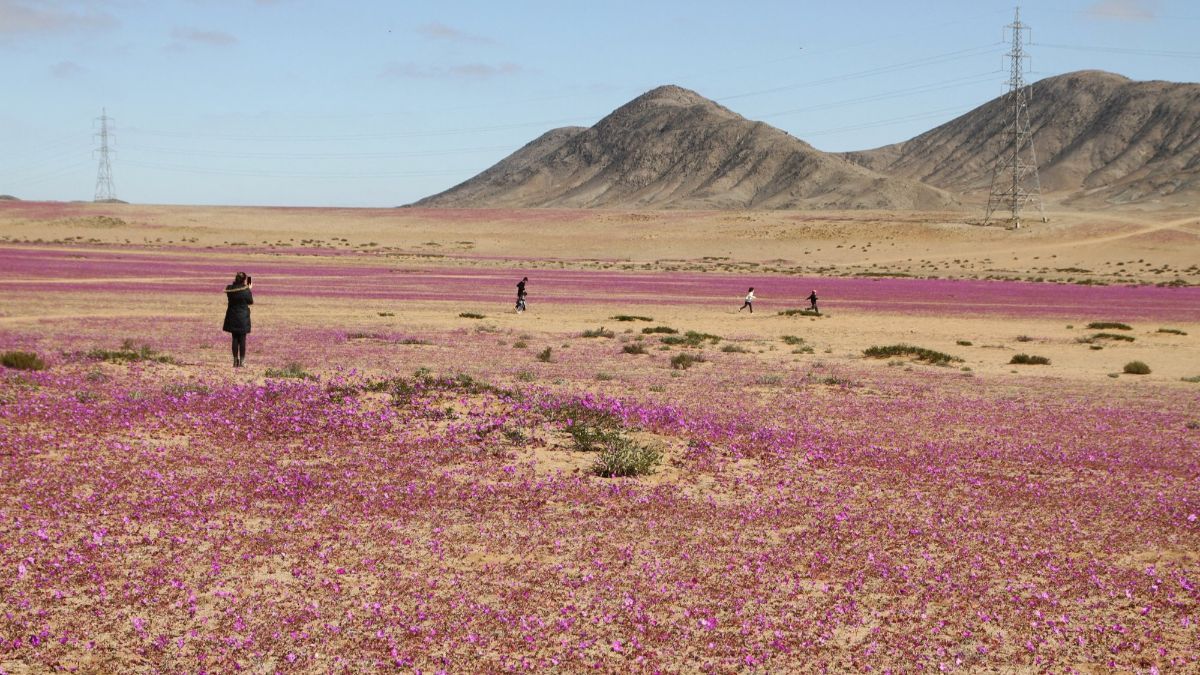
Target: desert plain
{"x":407,"y":474}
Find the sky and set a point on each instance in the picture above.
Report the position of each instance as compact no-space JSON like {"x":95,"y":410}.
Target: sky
{"x":378,"y":103}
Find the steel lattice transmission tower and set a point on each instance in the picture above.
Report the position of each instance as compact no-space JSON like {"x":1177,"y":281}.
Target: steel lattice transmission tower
{"x":1015,"y":181}
{"x":104,"y":181}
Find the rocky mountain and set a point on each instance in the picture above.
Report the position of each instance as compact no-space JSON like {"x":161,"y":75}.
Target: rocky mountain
{"x":1101,"y":139}
{"x":672,"y":148}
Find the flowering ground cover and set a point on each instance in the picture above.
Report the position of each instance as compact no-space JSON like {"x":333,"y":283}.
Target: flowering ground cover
{"x":101,"y":270}
{"x":418,"y":502}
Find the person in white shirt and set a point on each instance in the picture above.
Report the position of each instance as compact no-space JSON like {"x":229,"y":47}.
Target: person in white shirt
{"x":749,"y":301}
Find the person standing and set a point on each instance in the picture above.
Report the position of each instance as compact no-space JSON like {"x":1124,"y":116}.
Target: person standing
{"x":749,"y":301}
{"x":237,"y":315}
{"x":812,"y":301}
{"x":521,"y":294}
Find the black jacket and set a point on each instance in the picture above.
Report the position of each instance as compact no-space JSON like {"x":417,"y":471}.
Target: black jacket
{"x":237,"y":316}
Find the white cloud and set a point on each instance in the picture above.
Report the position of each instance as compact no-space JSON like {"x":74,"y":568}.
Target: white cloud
{"x":18,"y":17}
{"x":465,"y":71}
{"x":1123,"y":10}
{"x":212,"y":38}
{"x":440,"y":31}
{"x":67,"y":70}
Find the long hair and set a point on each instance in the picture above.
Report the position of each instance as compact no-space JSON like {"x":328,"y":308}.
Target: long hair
{"x":239,"y":279}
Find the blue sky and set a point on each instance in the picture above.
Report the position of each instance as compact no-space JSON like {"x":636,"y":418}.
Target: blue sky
{"x":372,"y":103}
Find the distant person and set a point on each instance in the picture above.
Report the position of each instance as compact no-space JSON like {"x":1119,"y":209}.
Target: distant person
{"x":521,"y":294}
{"x":237,"y":315}
{"x":812,"y":301}
{"x":749,"y":301}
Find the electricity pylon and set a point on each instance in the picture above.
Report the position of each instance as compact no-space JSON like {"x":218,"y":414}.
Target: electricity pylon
{"x":1015,"y":181}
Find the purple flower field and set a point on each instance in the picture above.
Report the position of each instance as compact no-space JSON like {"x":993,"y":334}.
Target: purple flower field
{"x":337,"y":276}
{"x":420,"y":501}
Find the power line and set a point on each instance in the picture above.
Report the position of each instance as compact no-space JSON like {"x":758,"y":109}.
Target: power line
{"x":1122,"y":50}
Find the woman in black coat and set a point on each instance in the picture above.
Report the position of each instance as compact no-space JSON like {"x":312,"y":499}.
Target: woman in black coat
{"x":237,"y":315}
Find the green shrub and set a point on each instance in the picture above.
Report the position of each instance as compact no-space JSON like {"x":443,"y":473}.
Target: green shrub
{"x":520,"y":344}
{"x":691,"y":339}
{"x":622,"y":456}
{"x":1109,"y":325}
{"x":920,"y":353}
{"x":635,"y":348}
{"x":630,"y":317}
{"x":589,"y":437}
{"x":1024,"y":338}
{"x":1026,"y":359}
{"x":1193,"y":379}
{"x":660,"y":329}
{"x":798,"y":312}
{"x":526,"y":376}
{"x":544,"y":355}
{"x":603,"y":376}
{"x":1172,"y":331}
{"x":1112,"y":336}
{"x":685,"y":360}
{"x":964,"y":343}
{"x":387,"y":314}
{"x":18,"y":360}
{"x":471,"y":315}
{"x":735,"y":349}
{"x":599,"y":332}
{"x":292,"y":370}
{"x":792,"y":340}
{"x":1136,"y":368}
{"x":129,"y":353}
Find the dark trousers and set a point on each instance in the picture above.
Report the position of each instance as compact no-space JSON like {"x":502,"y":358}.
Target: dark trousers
{"x":744,"y":306}
{"x":239,"y":346}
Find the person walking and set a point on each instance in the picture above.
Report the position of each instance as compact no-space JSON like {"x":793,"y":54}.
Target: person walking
{"x":237,"y":315}
{"x":749,"y":301}
{"x":812,"y":301}
{"x":521,"y":294}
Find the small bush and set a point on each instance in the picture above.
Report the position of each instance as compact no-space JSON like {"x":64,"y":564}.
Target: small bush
{"x":520,"y":344}
{"x":526,"y":376}
{"x":1109,"y":325}
{"x":1136,"y":368}
{"x":1193,"y":379}
{"x":735,"y":349}
{"x":387,"y":314}
{"x":624,"y":457}
{"x":630,"y":317}
{"x":292,"y":370}
{"x":798,"y":312}
{"x":1024,"y":338}
{"x":544,"y":355}
{"x":22,"y":361}
{"x":1027,"y":360}
{"x":1172,"y":331}
{"x":599,"y":332}
{"x":603,"y":376}
{"x":920,"y":353}
{"x":660,"y":329}
{"x":589,"y":438}
{"x":769,"y":380}
{"x":129,"y":353}
{"x":635,"y":348}
{"x":792,"y":340}
{"x":964,"y":343}
{"x":1112,"y":336}
{"x":691,"y":339}
{"x":471,"y":315}
{"x":685,"y":361}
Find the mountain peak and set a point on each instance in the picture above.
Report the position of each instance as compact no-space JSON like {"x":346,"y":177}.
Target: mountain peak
{"x":670,"y":94}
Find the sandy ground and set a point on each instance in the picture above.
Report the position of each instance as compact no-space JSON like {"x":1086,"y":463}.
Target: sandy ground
{"x":1119,"y":248}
